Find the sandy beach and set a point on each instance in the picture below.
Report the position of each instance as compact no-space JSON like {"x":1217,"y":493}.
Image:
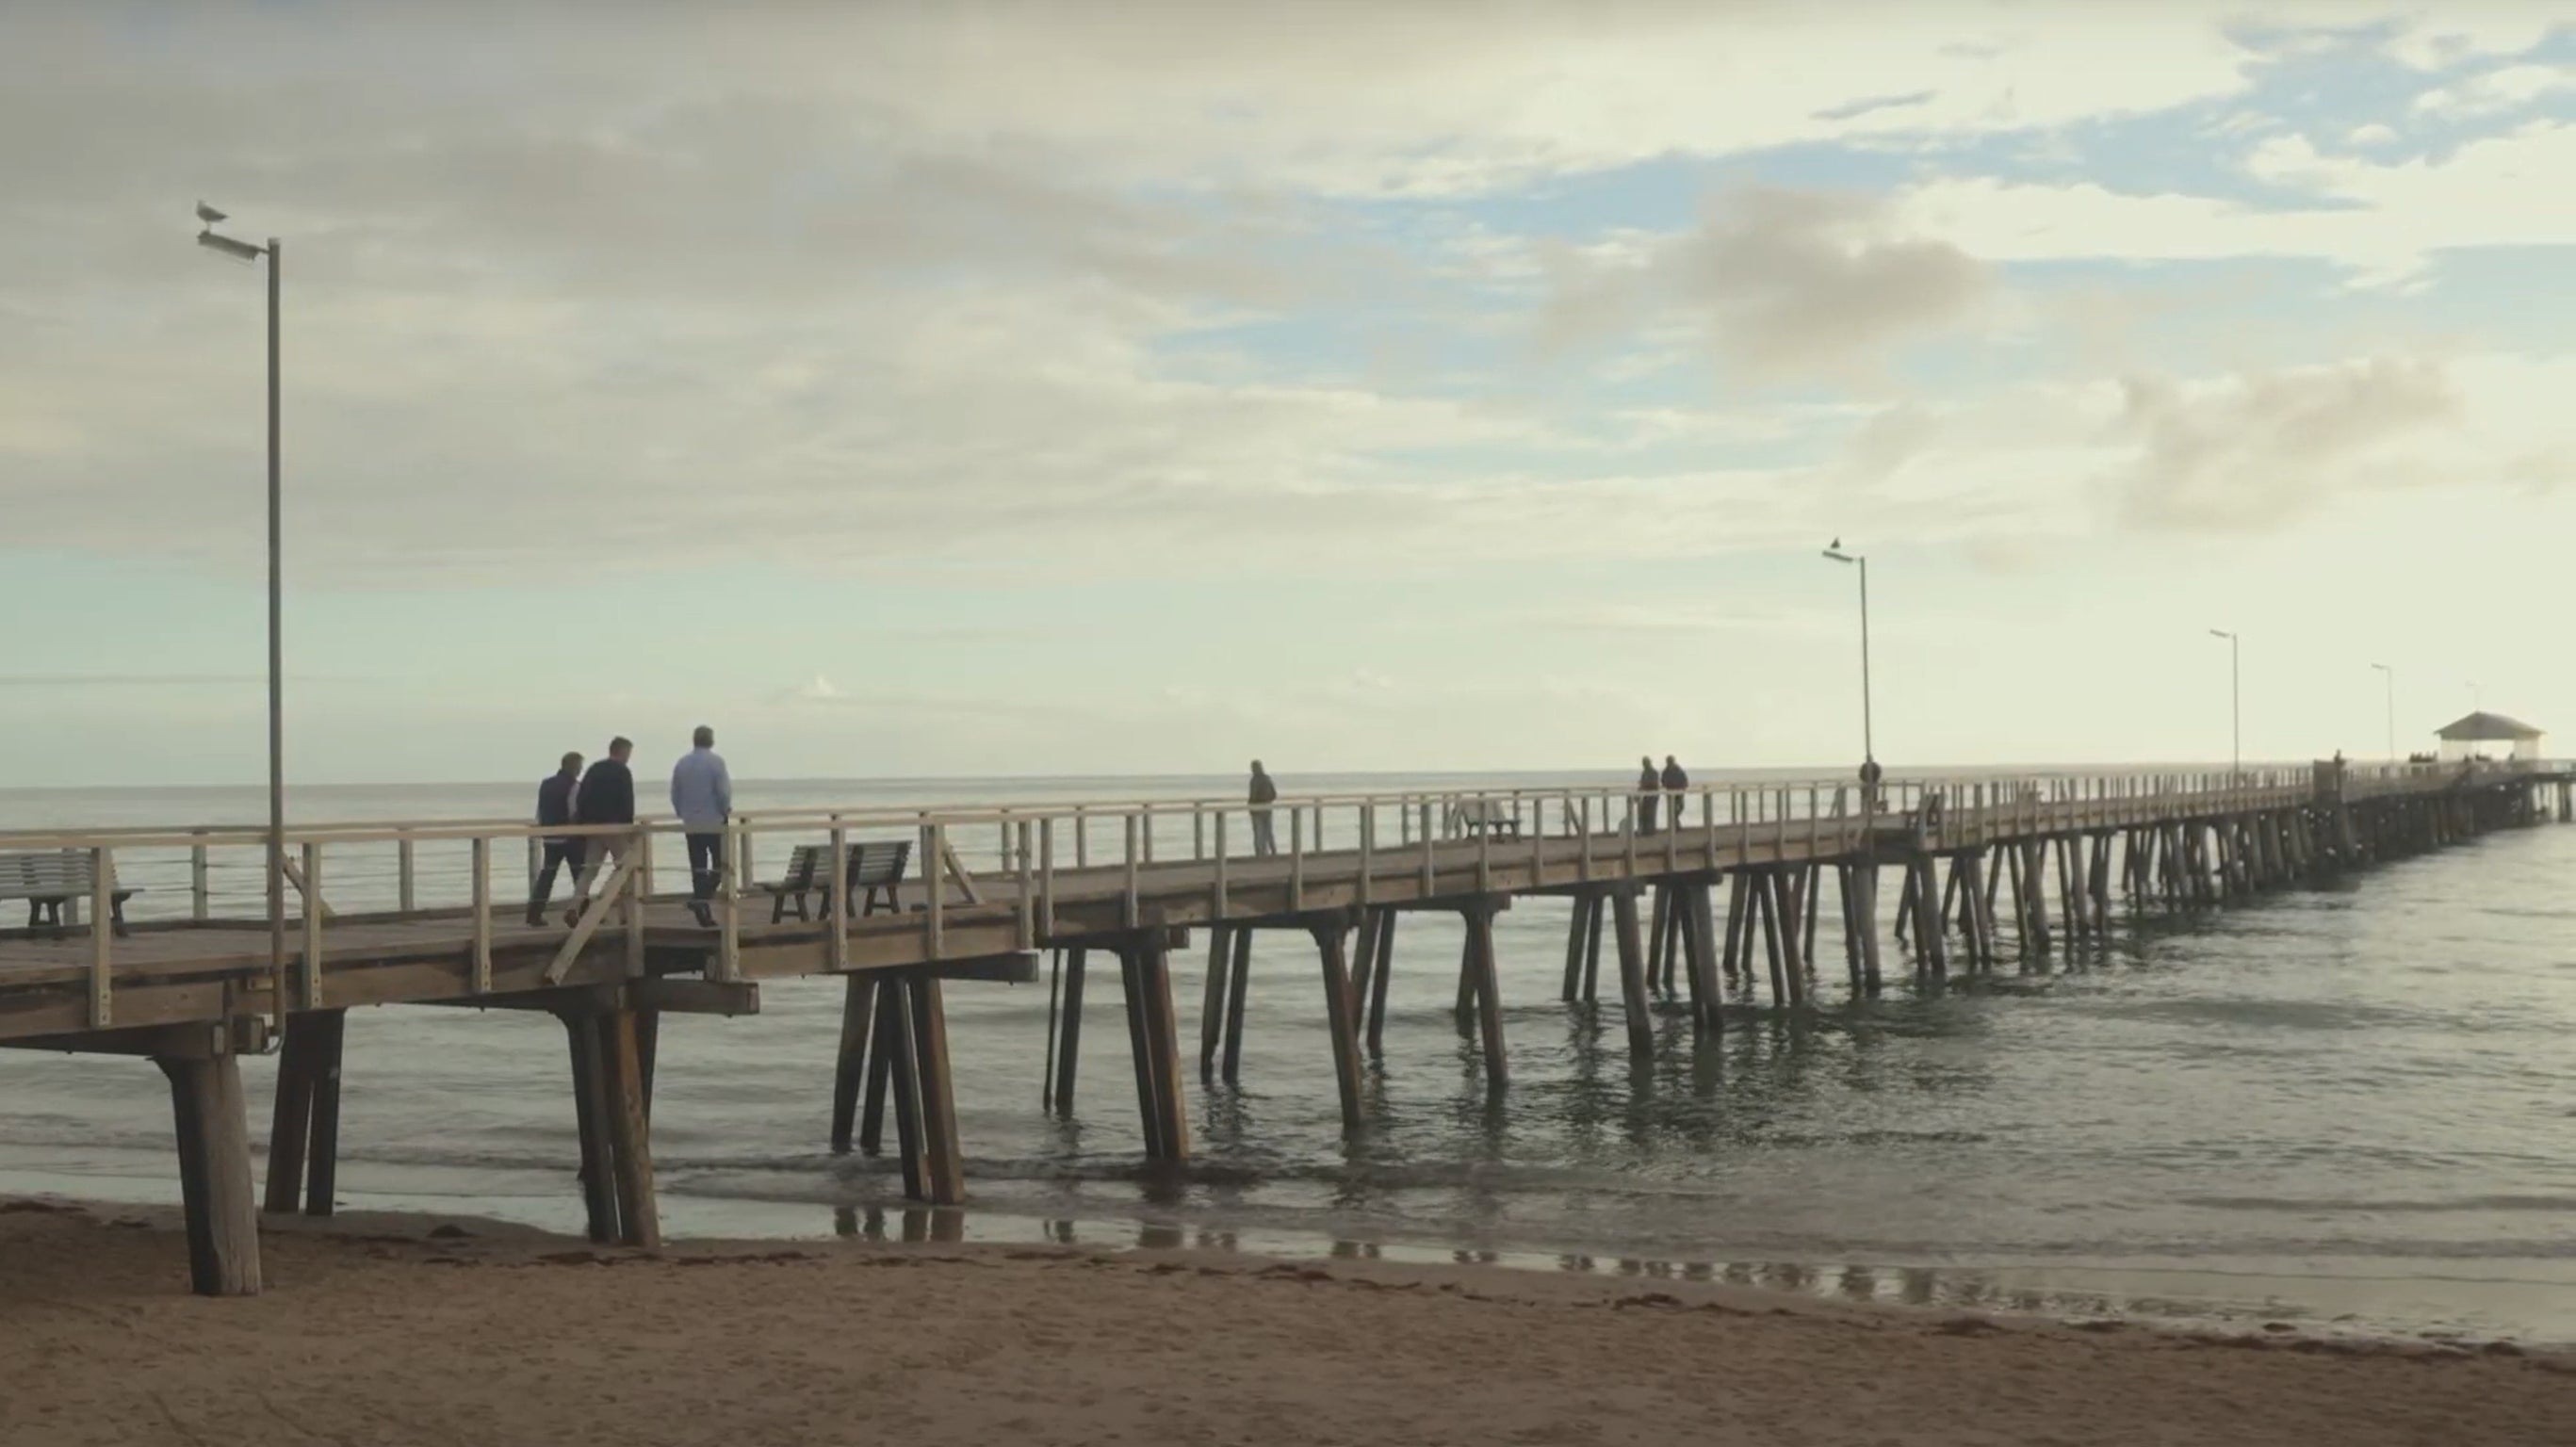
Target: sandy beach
{"x":407,"y":1329}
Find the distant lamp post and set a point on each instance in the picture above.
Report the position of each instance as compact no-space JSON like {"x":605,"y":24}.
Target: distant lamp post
{"x":2235,"y":704}
{"x":244,"y":251}
{"x":2388,"y":676}
{"x":1868,"y":744}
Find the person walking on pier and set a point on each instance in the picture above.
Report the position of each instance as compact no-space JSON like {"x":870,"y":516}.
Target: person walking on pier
{"x":1264,"y":794}
{"x":702,"y":795}
{"x":1650,"y":786}
{"x":554,"y":806}
{"x":1675,"y":783}
{"x":607,"y":796}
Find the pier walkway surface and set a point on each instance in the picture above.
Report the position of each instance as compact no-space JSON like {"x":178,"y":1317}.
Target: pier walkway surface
{"x":1712,"y":901}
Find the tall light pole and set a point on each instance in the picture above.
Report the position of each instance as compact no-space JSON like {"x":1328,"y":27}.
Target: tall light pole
{"x":1868,"y":745}
{"x":2235,"y":704}
{"x":2388,"y":676}
{"x":244,"y":251}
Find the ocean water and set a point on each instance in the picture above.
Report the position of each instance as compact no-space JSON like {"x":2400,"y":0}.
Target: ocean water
{"x":2348,"y":1104}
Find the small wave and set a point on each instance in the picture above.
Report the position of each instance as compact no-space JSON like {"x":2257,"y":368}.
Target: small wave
{"x":2321,"y":1204}
{"x":2273,"y":1014}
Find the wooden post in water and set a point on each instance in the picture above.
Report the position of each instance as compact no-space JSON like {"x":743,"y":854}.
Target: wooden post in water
{"x":1068,"y":1051}
{"x":849,"y":1069}
{"x":1238,"y":990}
{"x":1341,"y":1022}
{"x":1699,"y":948}
{"x":1738,"y":927}
{"x":899,"y":1046}
{"x":1212,"y":999}
{"x":1154,"y":1035}
{"x":1598,"y":913}
{"x":1659,"y":920}
{"x":1479,"y":919}
{"x":1811,"y":895}
{"x":884,"y":1046}
{"x":1781,"y":918}
{"x":1867,"y":909}
{"x":1140,"y":1046}
{"x":1632,"y":975}
{"x":1167,"y":1036}
{"x":943,"y":1161}
{"x":1575,"y":929}
{"x":1383,"y":921}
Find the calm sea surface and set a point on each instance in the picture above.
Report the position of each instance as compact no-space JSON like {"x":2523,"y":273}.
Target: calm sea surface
{"x":2354,"y":1103}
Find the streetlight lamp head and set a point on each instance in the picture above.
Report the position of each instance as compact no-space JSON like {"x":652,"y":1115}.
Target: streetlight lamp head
{"x":2220,"y":633}
{"x":208,"y":214}
{"x":240,"y":250}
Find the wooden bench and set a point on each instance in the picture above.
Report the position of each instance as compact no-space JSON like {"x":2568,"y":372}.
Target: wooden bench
{"x":875,"y":870}
{"x":1484,"y":816}
{"x":48,"y":881}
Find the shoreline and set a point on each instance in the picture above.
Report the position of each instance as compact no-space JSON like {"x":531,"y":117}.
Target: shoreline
{"x":372,"y":1321}
{"x":2380,"y":1305}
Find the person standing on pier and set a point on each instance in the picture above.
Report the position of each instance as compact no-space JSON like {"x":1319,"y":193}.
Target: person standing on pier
{"x":607,"y":796}
{"x":1650,"y":787}
{"x":1675,"y":783}
{"x":1264,"y":794}
{"x":702,"y":795}
{"x":554,"y":806}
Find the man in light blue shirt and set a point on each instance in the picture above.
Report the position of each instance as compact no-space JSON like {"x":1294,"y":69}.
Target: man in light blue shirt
{"x":702,"y":795}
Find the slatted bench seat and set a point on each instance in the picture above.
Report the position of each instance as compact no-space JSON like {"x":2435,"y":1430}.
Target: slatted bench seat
{"x":49,"y":880}
{"x":875,"y":869}
{"x":1484,"y":816}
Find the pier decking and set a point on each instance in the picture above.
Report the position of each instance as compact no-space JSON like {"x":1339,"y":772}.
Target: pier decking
{"x":1981,"y":861}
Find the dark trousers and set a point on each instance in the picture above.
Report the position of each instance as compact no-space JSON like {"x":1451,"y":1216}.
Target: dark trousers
{"x":1646,"y":813}
{"x":561,"y":854}
{"x":706,"y":869}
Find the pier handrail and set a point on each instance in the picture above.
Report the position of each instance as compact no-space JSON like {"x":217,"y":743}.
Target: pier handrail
{"x":1896,"y":796}
{"x":2273,"y":775}
{"x":1937,"y":812}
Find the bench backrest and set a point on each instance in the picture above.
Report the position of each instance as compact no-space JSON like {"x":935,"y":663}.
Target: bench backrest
{"x":807,"y":864}
{"x":878,"y":864}
{"x":53,"y":872}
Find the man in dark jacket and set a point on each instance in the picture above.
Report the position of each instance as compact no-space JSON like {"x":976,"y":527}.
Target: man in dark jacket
{"x":607,"y":796}
{"x":1261,"y":796}
{"x":1650,"y":786}
{"x":554,"y":806}
{"x":1675,"y":784}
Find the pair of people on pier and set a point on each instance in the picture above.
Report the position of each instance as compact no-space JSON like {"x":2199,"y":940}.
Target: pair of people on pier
{"x":701,"y":795}
{"x":1653,"y":784}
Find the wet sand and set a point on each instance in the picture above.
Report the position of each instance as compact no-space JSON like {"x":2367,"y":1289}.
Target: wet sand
{"x":408,"y":1329}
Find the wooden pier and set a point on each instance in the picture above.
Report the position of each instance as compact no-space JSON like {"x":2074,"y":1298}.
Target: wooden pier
{"x":1716,"y":910}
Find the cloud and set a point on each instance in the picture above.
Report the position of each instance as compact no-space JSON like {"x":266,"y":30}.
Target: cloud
{"x":1686,"y":616}
{"x":1784,"y":283}
{"x":1881,"y":446}
{"x":2495,"y":92}
{"x":2462,"y":33}
{"x":2381,"y":221}
{"x":2249,"y":453}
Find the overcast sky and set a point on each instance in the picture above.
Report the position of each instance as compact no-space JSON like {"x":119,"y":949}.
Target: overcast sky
{"x":1142,"y":387}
